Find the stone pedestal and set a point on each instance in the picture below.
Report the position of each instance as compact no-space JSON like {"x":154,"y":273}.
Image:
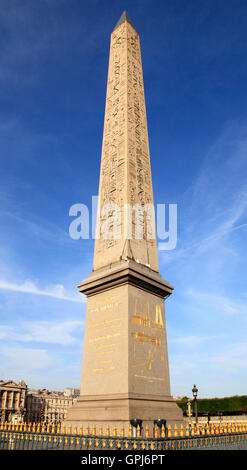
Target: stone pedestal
{"x":125,"y":373}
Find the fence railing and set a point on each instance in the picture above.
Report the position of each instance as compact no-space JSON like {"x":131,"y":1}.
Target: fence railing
{"x":28,"y":438}
{"x":169,"y":431}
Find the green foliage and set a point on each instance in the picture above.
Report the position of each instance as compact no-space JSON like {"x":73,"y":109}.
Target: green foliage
{"x":227,"y":405}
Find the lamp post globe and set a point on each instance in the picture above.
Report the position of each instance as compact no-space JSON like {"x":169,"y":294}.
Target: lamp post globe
{"x":194,"y":391}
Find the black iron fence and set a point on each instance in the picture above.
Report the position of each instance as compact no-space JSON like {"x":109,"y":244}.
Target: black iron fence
{"x":25,"y":440}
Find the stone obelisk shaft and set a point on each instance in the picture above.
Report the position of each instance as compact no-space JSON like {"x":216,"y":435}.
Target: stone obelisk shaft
{"x":125,"y":177}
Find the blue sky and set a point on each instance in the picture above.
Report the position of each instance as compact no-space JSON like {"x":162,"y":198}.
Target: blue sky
{"x":54,"y":60}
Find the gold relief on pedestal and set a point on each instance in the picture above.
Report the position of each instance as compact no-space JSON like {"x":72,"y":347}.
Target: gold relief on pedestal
{"x":100,"y":338}
{"x":152,"y":321}
{"x":147,"y":363}
{"x":105,"y":323}
{"x":150,"y":378}
{"x":158,"y":317}
{"x":144,"y":338}
{"x":102,"y":369}
{"x":144,"y":319}
{"x":107,"y":303}
{"x":103,"y":353}
{"x":104,"y":317}
{"x":140,"y":318}
{"x":118,"y":325}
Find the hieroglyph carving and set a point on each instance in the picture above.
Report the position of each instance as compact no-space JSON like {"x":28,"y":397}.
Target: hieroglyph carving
{"x":125,"y":177}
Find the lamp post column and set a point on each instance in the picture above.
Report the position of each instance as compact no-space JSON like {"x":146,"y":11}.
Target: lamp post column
{"x":194,"y":391}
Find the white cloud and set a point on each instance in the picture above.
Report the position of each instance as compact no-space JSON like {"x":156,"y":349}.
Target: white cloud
{"x":217,"y":370}
{"x":41,"y":332}
{"x":194,"y":340}
{"x":5,"y":331}
{"x":56,"y":291}
{"x":215,"y":204}
{"x":231,"y":360}
{"x":218,"y":303}
{"x":43,"y":230}
{"x":26,"y":358}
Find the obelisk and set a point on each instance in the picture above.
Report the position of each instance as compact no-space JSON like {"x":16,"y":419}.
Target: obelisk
{"x":125,"y":372}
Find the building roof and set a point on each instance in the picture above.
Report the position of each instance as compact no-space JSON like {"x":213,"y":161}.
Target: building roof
{"x":11,"y":383}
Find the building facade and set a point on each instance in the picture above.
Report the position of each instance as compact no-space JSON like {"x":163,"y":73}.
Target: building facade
{"x":12,"y":401}
{"x":49,"y":406}
{"x":18,"y":403}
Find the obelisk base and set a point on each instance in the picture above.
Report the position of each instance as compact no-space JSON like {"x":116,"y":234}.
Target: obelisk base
{"x":120,"y":410}
{"x":125,"y":373}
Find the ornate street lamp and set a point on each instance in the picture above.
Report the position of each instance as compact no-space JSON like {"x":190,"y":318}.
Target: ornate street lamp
{"x":194,"y":391}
